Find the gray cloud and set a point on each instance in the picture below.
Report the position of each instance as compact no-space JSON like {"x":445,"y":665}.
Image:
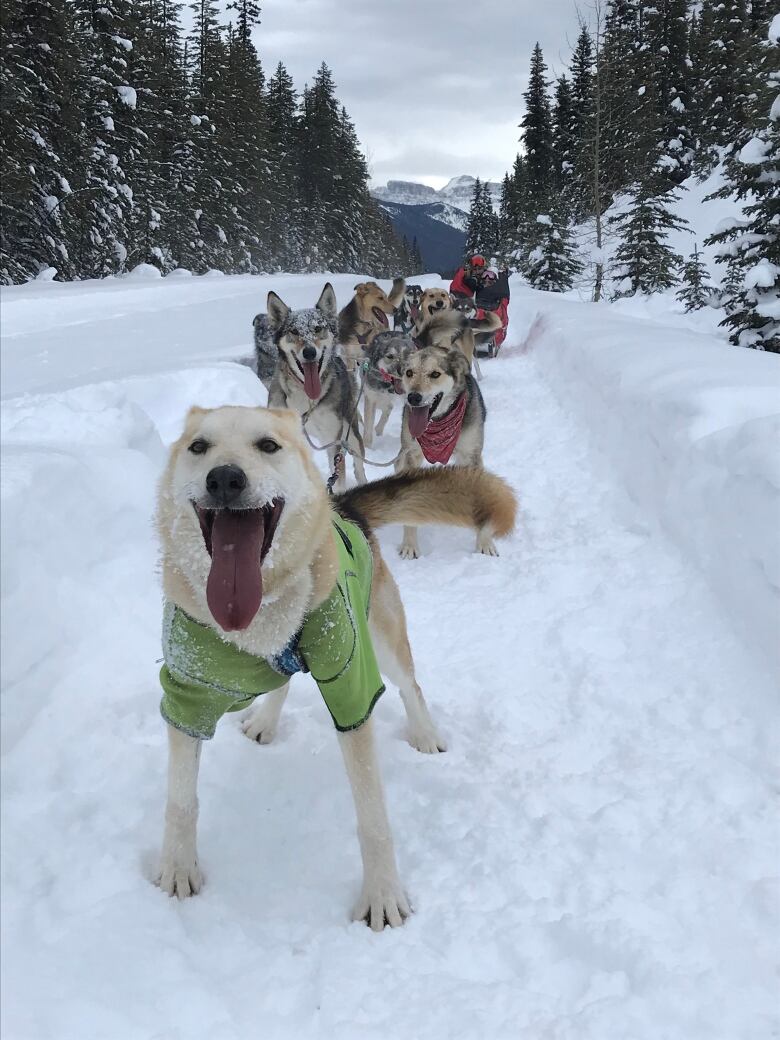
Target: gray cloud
{"x":434,"y":88}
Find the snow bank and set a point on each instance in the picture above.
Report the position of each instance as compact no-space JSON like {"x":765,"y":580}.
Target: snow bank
{"x":693,"y":427}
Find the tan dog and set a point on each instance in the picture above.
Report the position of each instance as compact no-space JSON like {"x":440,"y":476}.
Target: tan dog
{"x":441,"y":325}
{"x":444,"y":417}
{"x":367,"y":314}
{"x":251,"y":551}
{"x":432,"y":302}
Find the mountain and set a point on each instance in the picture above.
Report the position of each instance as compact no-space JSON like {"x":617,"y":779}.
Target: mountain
{"x":435,"y":217}
{"x":438,"y":229}
{"x":456,"y":193}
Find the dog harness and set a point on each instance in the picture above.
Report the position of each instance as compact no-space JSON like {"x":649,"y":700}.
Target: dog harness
{"x":441,"y":435}
{"x":204,"y":676}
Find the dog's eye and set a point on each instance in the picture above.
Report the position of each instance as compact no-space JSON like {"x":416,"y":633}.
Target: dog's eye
{"x":435,"y":375}
{"x":267,"y":445}
{"x":409,"y":373}
{"x":318,"y":330}
{"x":199,"y":446}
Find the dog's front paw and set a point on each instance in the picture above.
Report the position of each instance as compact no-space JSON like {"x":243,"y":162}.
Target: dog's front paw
{"x":180,"y":879}
{"x":382,"y":903}
{"x":427,"y":741}
{"x":486,"y":546}
{"x":408,"y":552}
{"x":259,"y":727}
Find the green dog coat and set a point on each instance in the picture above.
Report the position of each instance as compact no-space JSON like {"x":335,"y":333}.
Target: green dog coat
{"x":204,"y":676}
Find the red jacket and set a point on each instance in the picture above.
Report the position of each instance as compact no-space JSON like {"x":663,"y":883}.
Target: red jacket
{"x":461,"y":285}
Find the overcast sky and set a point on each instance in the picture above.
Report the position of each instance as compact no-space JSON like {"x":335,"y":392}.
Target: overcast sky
{"x":434,"y":88}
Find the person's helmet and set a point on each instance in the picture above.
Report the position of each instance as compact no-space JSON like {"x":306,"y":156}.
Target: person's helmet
{"x":477,"y":260}
{"x":491,"y":274}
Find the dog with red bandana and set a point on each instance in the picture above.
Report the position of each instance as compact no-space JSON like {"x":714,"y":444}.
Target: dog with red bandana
{"x":444,"y":419}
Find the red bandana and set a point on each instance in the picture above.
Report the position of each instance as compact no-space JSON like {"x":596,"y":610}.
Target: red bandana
{"x":441,"y":435}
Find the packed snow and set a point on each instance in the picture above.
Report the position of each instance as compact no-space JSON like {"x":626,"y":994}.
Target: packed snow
{"x":595,"y":856}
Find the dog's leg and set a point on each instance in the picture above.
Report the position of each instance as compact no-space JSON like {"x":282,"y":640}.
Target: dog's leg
{"x":341,"y":478}
{"x":263,"y":718}
{"x":369,"y":412}
{"x":409,"y":548}
{"x":384,"y":416}
{"x":477,"y":369}
{"x":382,"y":898}
{"x":387,"y":623}
{"x":357,"y":444}
{"x":179,"y":871}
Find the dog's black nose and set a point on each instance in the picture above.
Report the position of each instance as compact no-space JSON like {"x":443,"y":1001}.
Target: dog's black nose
{"x":309,"y":354}
{"x":414,"y":399}
{"x":225,"y":483}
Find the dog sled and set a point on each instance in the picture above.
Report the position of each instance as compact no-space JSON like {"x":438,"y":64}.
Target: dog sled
{"x":492,"y":294}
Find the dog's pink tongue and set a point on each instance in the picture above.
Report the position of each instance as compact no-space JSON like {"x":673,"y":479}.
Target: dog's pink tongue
{"x":418,"y":420}
{"x":311,"y":380}
{"x":234,"y":590}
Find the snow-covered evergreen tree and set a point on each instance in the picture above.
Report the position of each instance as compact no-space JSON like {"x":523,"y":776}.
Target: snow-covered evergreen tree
{"x":667,"y":40}
{"x":644,"y":262}
{"x":751,"y":246}
{"x":481,"y":229}
{"x":695,"y":291}
{"x":538,"y":138}
{"x":40,"y":138}
{"x":552,"y":264}
{"x":563,"y":142}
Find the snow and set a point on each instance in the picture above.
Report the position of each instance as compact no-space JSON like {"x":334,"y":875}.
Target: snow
{"x":592,"y":858}
{"x":761,"y":275}
{"x":754,"y":152}
{"x":127,"y":95}
{"x":774,"y":29}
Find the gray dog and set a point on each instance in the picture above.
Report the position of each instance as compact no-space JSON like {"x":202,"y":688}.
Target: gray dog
{"x":311,"y":378}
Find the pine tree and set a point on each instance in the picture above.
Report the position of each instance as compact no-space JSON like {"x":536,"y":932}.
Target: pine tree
{"x":284,"y":234}
{"x":563,"y":142}
{"x":553,"y":264}
{"x":695,"y":291}
{"x":582,"y":125}
{"x":246,"y":122}
{"x":751,"y":246}
{"x":415,"y":259}
{"x":538,"y":138}
{"x":480,"y":229}
{"x":644,"y":262}
{"x":724,"y":84}
{"x":667,"y":39}
{"x":39,"y":138}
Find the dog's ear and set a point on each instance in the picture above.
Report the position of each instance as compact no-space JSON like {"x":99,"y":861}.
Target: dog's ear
{"x":327,"y":301}
{"x":277,"y":310}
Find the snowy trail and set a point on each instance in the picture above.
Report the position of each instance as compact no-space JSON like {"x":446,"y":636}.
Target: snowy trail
{"x":593,"y":857}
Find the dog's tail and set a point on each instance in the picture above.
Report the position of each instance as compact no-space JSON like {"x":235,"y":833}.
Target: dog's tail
{"x":490,"y":323}
{"x":463,"y":496}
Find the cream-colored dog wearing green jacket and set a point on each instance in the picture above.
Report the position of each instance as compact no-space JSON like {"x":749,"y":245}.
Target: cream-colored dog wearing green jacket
{"x":265,"y":575}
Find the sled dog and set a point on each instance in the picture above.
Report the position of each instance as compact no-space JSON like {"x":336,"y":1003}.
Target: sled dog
{"x":406,"y":312}
{"x":264,"y":575}
{"x":311,"y":378}
{"x":483,"y":334}
{"x":366,"y":315}
{"x":266,"y":354}
{"x":444,"y":417}
{"x":382,"y":388}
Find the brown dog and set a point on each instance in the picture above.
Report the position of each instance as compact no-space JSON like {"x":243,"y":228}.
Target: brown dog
{"x":366,"y":315}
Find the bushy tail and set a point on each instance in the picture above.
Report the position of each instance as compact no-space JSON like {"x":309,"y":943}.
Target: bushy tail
{"x":490,"y":323}
{"x":463,"y":496}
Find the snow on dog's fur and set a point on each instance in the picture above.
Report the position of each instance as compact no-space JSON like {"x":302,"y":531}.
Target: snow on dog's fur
{"x":275,"y":474}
